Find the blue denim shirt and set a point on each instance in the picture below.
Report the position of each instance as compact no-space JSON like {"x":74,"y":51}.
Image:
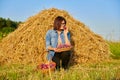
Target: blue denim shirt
{"x":52,"y":40}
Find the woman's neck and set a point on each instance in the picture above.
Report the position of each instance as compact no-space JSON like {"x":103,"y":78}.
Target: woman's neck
{"x":59,"y":32}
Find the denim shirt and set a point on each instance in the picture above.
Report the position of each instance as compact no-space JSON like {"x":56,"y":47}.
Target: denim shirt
{"x":52,"y":40}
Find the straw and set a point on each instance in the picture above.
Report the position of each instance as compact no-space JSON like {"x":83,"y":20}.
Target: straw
{"x":27,"y":43}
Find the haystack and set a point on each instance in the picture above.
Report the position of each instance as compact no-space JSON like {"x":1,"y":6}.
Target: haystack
{"x":26,"y":45}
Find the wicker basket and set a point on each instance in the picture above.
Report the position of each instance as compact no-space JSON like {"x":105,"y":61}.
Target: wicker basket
{"x":64,"y":49}
{"x":46,"y":67}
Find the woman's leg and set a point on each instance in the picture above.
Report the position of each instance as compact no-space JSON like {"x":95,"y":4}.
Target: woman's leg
{"x":65,"y":56}
{"x":56,"y":59}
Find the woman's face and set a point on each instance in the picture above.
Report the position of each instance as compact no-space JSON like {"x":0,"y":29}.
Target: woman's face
{"x":62,"y":24}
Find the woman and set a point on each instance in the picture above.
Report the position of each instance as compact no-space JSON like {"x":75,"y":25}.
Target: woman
{"x":54,"y":38}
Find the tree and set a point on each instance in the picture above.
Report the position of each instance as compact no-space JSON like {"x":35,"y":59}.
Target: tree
{"x":7,"y":26}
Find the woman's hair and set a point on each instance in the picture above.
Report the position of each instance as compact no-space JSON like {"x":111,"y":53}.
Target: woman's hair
{"x":57,"y":22}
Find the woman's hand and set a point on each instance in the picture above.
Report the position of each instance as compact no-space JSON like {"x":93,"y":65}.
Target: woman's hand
{"x":66,"y":30}
{"x":56,"y":50}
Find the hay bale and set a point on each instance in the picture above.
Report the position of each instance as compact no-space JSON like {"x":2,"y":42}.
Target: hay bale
{"x":26,"y":45}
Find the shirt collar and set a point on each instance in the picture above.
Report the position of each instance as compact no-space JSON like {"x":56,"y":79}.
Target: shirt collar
{"x":56,"y":31}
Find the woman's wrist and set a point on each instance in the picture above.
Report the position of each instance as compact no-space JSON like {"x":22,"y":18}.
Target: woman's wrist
{"x":51,"y":48}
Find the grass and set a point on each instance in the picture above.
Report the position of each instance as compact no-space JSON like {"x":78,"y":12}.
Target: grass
{"x":115,"y":49}
{"x":91,"y":71}
{"x":98,"y":71}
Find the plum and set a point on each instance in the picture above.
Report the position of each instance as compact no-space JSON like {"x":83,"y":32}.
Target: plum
{"x":63,"y":46}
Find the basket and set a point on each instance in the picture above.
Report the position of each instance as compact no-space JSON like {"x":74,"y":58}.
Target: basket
{"x":64,"y":49}
{"x":46,"y":67}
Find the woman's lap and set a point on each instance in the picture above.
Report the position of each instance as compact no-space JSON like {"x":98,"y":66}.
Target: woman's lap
{"x":64,"y":57}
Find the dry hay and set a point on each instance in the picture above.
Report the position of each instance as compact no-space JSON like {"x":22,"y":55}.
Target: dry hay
{"x":26,"y":45}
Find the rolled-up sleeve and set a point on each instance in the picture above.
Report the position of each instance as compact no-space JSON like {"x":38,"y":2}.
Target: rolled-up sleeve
{"x":48,"y":40}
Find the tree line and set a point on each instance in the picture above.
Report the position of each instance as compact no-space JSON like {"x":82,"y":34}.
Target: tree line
{"x":7,"y":26}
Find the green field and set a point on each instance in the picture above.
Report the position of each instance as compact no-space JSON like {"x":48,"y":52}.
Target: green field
{"x":115,"y":49}
{"x":92,"y":71}
{"x":101,"y":71}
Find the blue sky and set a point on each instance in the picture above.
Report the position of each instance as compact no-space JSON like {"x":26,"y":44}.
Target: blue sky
{"x":101,"y":16}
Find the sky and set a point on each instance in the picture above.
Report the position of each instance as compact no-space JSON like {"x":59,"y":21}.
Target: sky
{"x":101,"y":16}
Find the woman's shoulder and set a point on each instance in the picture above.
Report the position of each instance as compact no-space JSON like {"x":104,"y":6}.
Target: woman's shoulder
{"x":51,"y":30}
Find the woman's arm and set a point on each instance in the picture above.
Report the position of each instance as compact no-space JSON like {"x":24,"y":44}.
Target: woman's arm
{"x":48,"y":43}
{"x":67,"y":41}
{"x":54,"y":49}
{"x":48,"y":39}
{"x":51,"y":48}
{"x":67,"y":36}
